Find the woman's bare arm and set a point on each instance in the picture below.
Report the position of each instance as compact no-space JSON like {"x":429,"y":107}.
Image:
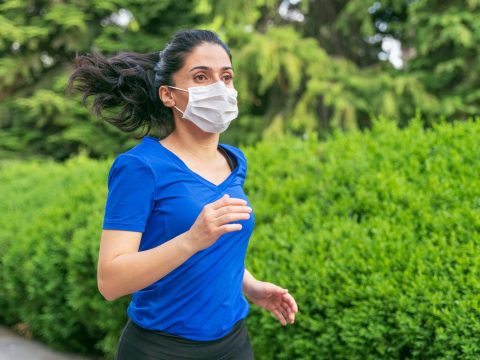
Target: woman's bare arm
{"x":122,"y":269}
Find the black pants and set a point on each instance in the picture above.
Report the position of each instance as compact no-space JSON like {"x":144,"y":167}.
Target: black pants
{"x":137,"y":343}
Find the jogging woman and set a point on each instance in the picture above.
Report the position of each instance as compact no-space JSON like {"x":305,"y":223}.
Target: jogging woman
{"x":177,"y":222}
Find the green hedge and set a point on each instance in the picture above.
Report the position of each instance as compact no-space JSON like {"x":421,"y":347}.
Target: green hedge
{"x":49,"y":245}
{"x":376,"y":234}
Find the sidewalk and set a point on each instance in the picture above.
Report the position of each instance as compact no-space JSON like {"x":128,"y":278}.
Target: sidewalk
{"x":15,"y":347}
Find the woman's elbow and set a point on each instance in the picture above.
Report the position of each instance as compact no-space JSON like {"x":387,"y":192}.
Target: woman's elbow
{"x":105,"y":290}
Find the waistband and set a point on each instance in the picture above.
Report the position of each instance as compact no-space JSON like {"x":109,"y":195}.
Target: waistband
{"x":158,"y":334}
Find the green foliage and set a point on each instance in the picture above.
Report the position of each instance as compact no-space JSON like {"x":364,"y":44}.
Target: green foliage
{"x":333,"y":55}
{"x":375,"y":233}
{"x":38,"y":43}
{"x":438,"y":41}
{"x":321,"y":72}
{"x":285,"y":76}
{"x":49,"y":242}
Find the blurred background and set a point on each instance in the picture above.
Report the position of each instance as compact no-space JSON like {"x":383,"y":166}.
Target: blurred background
{"x":301,"y":65}
{"x":359,"y":122}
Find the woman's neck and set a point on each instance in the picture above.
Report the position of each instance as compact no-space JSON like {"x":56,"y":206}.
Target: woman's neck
{"x":201,"y":146}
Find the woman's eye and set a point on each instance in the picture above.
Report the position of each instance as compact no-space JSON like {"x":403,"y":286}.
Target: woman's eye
{"x":227,"y":77}
{"x":200,"y":77}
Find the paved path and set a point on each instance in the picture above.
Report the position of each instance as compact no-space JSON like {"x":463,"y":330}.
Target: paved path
{"x":15,"y":347}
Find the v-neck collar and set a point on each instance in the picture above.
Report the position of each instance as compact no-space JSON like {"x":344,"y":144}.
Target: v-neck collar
{"x":185,"y":167}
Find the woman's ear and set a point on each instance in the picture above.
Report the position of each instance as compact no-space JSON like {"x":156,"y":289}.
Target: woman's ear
{"x":166,"y":97}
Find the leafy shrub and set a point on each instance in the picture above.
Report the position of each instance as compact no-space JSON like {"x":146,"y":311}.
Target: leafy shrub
{"x":51,"y":252}
{"x":376,"y":235}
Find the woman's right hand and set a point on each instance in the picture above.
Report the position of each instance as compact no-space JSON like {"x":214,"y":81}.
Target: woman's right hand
{"x":213,"y":221}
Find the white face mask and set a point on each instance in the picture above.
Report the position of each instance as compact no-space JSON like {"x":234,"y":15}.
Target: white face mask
{"x":212,"y":107}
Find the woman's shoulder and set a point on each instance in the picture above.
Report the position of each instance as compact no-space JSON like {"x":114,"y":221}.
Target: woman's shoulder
{"x":142,"y":156}
{"x":134,"y":155}
{"x":146,"y":152}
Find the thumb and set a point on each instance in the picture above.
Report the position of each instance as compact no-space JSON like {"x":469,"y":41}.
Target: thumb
{"x":276,"y":290}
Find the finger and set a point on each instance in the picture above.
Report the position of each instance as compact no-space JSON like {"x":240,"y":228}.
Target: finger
{"x":287,"y":312}
{"x":227,"y":200}
{"x":291,"y":302}
{"x":227,"y":218}
{"x":226,"y":209}
{"x":275,"y":290}
{"x":281,"y":293}
{"x":286,"y":308}
{"x":279,"y":316}
{"x":229,"y":228}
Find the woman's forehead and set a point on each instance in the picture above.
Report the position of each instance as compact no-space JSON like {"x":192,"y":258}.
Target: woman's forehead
{"x":210,"y":55}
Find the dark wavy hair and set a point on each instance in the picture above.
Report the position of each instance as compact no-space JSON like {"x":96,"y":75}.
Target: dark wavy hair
{"x":125,"y":86}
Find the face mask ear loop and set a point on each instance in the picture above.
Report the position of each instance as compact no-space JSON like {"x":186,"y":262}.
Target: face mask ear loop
{"x":178,"y":109}
{"x":177,"y":88}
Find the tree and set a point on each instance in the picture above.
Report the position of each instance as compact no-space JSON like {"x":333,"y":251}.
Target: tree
{"x":38,"y":43}
{"x":314,"y":65}
{"x":321,"y":64}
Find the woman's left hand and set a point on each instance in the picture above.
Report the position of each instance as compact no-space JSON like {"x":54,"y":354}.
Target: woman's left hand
{"x":273,"y":298}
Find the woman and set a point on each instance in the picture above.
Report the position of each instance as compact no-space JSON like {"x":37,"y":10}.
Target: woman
{"x":177,"y":222}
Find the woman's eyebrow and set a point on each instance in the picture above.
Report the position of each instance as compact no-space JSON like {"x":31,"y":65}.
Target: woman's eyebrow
{"x":208,"y":68}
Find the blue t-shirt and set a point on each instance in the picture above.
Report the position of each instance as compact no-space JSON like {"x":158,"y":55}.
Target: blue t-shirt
{"x":151,"y":190}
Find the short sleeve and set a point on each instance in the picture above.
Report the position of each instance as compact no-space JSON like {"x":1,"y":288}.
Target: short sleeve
{"x":130,"y":199}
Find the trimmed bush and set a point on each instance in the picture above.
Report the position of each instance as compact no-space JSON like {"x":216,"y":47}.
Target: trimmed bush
{"x":50,"y":254}
{"x":376,"y":234}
